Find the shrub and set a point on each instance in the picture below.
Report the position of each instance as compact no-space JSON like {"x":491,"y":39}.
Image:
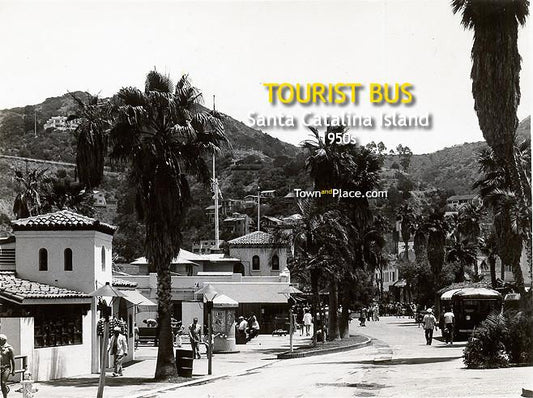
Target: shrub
{"x":519,"y":343}
{"x":486,"y":348}
{"x":501,"y":340}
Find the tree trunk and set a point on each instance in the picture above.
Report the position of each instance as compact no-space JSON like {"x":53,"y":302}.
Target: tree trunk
{"x":315,"y":307}
{"x":502,"y":270}
{"x":166,"y":362}
{"x":333,"y":322}
{"x":492,"y":267}
{"x":344,"y":326}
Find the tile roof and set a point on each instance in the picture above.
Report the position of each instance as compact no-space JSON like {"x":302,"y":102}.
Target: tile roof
{"x":123,"y":283}
{"x":63,"y":220}
{"x":253,"y":239}
{"x":21,"y":290}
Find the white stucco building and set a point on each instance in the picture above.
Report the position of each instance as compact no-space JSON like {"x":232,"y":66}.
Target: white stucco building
{"x":59,"y":258}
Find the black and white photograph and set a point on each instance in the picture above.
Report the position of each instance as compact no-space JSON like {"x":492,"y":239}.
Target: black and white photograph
{"x":259,"y":198}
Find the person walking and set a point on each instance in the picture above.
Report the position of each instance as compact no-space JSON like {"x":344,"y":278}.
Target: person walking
{"x":376,"y":312}
{"x":118,"y":347}
{"x":7,"y":364}
{"x":430,"y":323}
{"x":308,"y":321}
{"x":254,"y":327}
{"x":449,"y":323}
{"x":195,"y":332}
{"x":136,"y":335}
{"x":362,"y":317}
{"x":242,"y":325}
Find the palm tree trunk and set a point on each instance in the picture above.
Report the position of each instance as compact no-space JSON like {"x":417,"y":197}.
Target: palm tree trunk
{"x":492,"y":267}
{"x":315,"y":307}
{"x":344,"y":326}
{"x":166,"y":362}
{"x":333,"y":321}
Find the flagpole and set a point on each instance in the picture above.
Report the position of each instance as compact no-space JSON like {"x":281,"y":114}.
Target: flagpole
{"x":215,"y":190}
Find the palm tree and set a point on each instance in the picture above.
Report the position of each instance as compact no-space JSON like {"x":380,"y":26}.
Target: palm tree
{"x":407,"y":215}
{"x":436,"y":227}
{"x":462,"y":253}
{"x":161,"y":136}
{"x":28,"y":201}
{"x":496,"y":65}
{"x":349,"y":167}
{"x":488,"y":247}
{"x":512,"y":216}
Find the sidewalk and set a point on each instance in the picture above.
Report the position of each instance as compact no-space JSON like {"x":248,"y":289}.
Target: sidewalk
{"x":138,"y":375}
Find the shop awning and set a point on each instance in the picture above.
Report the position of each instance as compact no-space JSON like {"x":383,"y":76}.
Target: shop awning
{"x":144,"y":304}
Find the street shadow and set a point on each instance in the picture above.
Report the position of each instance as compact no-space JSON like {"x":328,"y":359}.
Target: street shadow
{"x":393,"y":362}
{"x":93,"y":382}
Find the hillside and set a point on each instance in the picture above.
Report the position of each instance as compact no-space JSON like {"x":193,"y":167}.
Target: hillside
{"x":19,"y":137}
{"x":455,"y":168}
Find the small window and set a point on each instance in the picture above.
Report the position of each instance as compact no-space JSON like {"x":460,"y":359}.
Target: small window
{"x":67,"y":259}
{"x":43,"y":260}
{"x":275,"y":262}
{"x":103,"y":258}
{"x":255,"y":263}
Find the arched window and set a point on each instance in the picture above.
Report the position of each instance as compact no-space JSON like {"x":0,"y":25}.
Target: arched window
{"x":103,"y":258}
{"x":255,"y":263}
{"x":67,"y":259}
{"x":275,"y":262}
{"x":43,"y":260}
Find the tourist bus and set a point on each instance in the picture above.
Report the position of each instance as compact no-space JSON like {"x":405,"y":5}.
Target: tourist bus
{"x":471,"y":306}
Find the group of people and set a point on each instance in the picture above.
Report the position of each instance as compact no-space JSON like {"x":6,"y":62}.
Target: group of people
{"x":304,"y":320}
{"x":247,"y":329}
{"x":429,"y":323}
{"x":370,"y":313}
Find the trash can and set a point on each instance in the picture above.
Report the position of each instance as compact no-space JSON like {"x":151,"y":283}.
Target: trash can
{"x":184,"y":362}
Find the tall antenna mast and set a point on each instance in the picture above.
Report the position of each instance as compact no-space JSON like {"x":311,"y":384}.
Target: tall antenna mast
{"x":215,"y":191}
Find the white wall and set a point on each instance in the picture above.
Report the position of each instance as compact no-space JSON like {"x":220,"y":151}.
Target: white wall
{"x":86,"y":253}
{"x":190,"y":310}
{"x":245,"y":254}
{"x":64,"y":361}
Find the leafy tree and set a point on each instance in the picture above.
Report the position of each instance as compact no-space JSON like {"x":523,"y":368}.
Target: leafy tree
{"x":404,"y":154}
{"x":29,"y":192}
{"x":162,"y":136}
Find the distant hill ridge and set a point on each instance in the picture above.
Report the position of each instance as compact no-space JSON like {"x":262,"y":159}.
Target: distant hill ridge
{"x":454,"y":168}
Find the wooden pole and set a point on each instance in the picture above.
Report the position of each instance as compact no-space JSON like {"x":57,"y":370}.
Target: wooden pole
{"x":210,"y":338}
{"x":290,"y":326}
{"x":103,"y":351}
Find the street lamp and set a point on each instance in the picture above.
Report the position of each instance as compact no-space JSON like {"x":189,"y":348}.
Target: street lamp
{"x":209,"y":293}
{"x":105,"y":311}
{"x":287,"y":293}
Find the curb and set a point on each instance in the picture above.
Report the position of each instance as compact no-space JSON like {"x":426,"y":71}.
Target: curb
{"x":295,"y":354}
{"x":203,"y":380}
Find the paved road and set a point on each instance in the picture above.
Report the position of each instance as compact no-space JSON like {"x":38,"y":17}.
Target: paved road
{"x":397,"y":364}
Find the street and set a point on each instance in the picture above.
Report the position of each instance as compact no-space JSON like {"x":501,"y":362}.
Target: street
{"x":397,"y":364}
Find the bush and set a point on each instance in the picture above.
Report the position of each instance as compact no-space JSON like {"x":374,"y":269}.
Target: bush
{"x":520,"y":338}
{"x":501,"y":340}
{"x":486,"y":348}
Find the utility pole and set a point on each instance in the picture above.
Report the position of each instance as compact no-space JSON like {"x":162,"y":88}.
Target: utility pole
{"x":35,"y":122}
{"x":215,"y":190}
{"x":259,"y":208}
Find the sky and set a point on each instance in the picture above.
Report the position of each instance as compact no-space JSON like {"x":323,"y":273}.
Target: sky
{"x":229,"y":49}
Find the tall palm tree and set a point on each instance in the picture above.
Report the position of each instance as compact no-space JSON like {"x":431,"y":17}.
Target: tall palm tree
{"x":496,"y":65}
{"x":161,"y":136}
{"x":349,"y":167}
